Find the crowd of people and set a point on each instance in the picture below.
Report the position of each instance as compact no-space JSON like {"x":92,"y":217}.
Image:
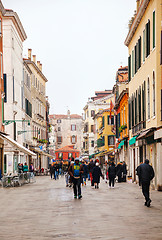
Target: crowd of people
{"x":78,"y":171}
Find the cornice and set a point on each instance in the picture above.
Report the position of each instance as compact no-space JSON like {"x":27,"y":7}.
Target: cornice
{"x":16,"y":20}
{"x":136,"y":21}
{"x":37,"y":69}
{"x":2,"y":9}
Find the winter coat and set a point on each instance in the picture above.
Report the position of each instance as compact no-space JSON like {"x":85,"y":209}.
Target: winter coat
{"x":112,"y":171}
{"x":145,"y":172}
{"x":119,"y":170}
{"x":124,"y":169}
{"x":91,"y":166}
{"x":85,"y":170}
{"x":96,"y":174}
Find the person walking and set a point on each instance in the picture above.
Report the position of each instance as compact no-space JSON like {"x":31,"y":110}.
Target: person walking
{"x":119,"y":170}
{"x":96,"y":174}
{"x":31,"y":170}
{"x":76,"y":171}
{"x":25,"y":168}
{"x":124,"y":172}
{"x":146,"y":174}
{"x":91,"y":165}
{"x":85,"y":172}
{"x":51,"y":170}
{"x":112,"y":174}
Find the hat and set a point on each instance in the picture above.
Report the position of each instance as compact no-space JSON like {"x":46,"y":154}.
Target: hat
{"x":76,"y":159}
{"x":97,"y":160}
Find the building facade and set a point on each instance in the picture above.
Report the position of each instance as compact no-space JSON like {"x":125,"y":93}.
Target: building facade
{"x":143,"y":42}
{"x":67,"y":130}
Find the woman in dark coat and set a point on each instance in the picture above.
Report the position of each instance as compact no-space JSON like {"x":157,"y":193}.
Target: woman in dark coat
{"x":112,"y":174}
{"x":96,"y":175}
{"x":119,"y":170}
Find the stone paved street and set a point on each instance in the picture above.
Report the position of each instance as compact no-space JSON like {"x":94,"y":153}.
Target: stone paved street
{"x":46,"y":210}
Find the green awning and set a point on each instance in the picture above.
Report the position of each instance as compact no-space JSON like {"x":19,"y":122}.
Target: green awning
{"x":121,"y":144}
{"x":91,"y":156}
{"x":132,"y":140}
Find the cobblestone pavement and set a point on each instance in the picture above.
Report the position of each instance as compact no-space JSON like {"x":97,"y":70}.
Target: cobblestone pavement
{"x":46,"y":210}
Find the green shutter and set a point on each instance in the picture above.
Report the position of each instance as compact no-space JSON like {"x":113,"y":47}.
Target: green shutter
{"x":139,"y":52}
{"x":132,"y":63}
{"x":144,"y":46}
{"x":129,"y":68}
{"x":103,"y":121}
{"x":153,"y":29}
{"x":149,"y":37}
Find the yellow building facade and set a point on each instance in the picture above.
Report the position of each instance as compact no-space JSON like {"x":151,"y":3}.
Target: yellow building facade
{"x":145,"y":83}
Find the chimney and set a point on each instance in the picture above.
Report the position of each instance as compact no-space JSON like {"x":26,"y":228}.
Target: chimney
{"x":29,"y":53}
{"x":38,"y":64}
{"x":41,"y":67}
{"x":34,"y":59}
{"x":138,"y":4}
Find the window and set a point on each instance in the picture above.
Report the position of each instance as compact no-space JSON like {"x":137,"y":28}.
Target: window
{"x":86,"y":127}
{"x":148,"y":97}
{"x":59,"y":139}
{"x":129,"y":68}
{"x":70,"y":155}
{"x":153,"y":85}
{"x":110,"y":120}
{"x":144,"y":45}
{"x":148,"y":38}
{"x":153,"y":29}
{"x":83,"y":145}
{"x":73,"y":139}
{"x":92,"y":126}
{"x":60,"y":155}
{"x":59,"y":129}
{"x":73,"y":127}
{"x":36,"y":83}
{"x":92,"y":143}
{"x":103,"y":121}
{"x":59,"y":121}
{"x":92,"y":113}
{"x":87,"y":113}
{"x":111,"y":140}
{"x":132,"y":63}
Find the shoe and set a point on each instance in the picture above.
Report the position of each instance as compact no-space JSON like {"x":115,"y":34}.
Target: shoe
{"x":80,"y":197}
{"x":75,"y":197}
{"x":145,"y":204}
{"x":148,"y":203}
{"x":67,"y":185}
{"x":95,"y":186}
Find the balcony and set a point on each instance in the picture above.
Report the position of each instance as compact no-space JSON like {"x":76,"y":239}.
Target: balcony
{"x":138,"y":127}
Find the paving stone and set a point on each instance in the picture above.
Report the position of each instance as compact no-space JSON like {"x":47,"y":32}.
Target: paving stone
{"x":46,"y":210}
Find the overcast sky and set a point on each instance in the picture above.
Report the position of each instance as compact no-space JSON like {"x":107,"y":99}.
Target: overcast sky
{"x":79,"y":42}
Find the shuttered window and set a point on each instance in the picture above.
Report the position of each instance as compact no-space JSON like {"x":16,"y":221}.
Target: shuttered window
{"x":139,"y":52}
{"x":144,"y":45}
{"x":132,"y":63}
{"x":132,"y":111}
{"x":153,"y":90}
{"x":103,"y":121}
{"x":153,"y":29}
{"x":129,"y":114}
{"x":135,"y":50}
{"x":148,"y":98}
{"x":129,"y":68}
{"x":139,"y":103}
{"x":148,"y":38}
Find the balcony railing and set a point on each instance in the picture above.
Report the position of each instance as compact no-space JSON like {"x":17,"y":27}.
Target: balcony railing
{"x":138,"y":127}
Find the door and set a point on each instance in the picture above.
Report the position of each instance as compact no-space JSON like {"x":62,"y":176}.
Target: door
{"x":141,"y":154}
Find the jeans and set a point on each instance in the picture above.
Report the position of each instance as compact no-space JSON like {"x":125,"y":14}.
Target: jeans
{"x":145,"y":190}
{"x":77,"y":186}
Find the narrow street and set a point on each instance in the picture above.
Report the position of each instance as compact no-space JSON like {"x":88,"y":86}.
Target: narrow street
{"x":46,"y":210}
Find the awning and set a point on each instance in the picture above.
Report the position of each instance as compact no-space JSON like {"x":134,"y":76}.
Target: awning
{"x":17,"y":145}
{"x":121,"y":144}
{"x":132,"y":140}
{"x":144,"y":133}
{"x":42,"y":152}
